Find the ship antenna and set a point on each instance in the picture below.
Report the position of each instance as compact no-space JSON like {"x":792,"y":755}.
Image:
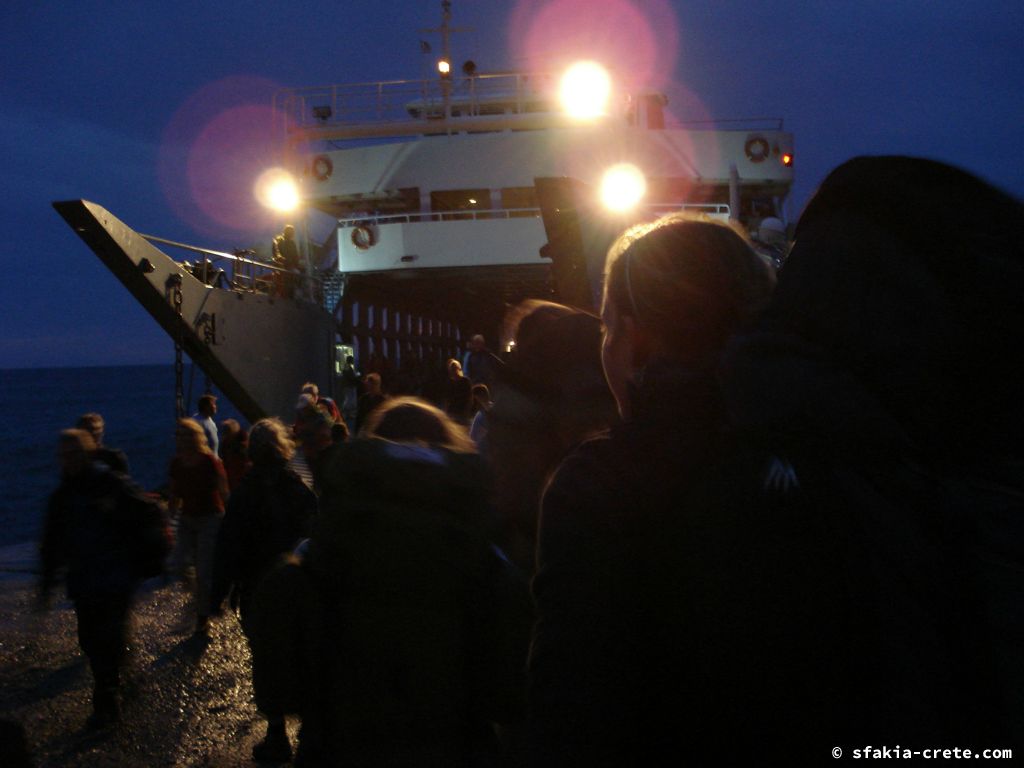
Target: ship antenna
{"x":446,"y":17}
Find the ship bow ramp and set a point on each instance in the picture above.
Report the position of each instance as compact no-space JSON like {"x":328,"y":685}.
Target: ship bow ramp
{"x":257,"y":348}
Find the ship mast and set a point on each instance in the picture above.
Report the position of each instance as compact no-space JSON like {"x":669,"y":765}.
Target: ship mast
{"x":446,"y":31}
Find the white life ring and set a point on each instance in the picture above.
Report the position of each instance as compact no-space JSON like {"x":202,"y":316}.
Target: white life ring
{"x":757,"y":149}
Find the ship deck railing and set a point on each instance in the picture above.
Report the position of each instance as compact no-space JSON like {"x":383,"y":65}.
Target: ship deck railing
{"x":237,"y":272}
{"x":396,"y":101}
{"x":313,"y":110}
{"x":715,"y":210}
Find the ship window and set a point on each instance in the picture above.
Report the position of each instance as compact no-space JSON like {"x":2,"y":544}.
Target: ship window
{"x":451,"y":203}
{"x":520,"y":202}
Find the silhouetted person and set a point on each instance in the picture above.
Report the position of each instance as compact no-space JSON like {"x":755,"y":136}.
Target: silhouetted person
{"x":234,"y":446}
{"x":206,"y":409}
{"x":199,"y":488}
{"x":351,"y":381}
{"x":479,"y":364}
{"x":115,"y":459}
{"x":550,"y":396}
{"x":370,"y":399}
{"x":479,"y":425}
{"x":286,"y":255}
{"x":401,"y":637}
{"x":459,"y":399}
{"x":649,"y":628}
{"x":270,"y":512}
{"x":90,"y":530}
{"x":328,"y":405}
{"x":883,"y":373}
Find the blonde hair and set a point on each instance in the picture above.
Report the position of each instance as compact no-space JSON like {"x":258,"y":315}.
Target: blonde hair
{"x":269,"y":441}
{"x":689,"y":283}
{"x":196,"y":433}
{"x":411,"y":420}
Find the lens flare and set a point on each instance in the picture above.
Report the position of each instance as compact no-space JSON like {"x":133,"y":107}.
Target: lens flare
{"x":622,"y":187}
{"x":638,"y":38}
{"x":217,"y":142}
{"x":586,"y":88}
{"x":276,"y":189}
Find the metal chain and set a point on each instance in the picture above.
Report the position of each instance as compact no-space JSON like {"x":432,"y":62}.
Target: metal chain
{"x":179,"y":366}
{"x":208,"y":339}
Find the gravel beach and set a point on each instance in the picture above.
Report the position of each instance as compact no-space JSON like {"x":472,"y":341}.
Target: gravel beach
{"x":185,"y":703}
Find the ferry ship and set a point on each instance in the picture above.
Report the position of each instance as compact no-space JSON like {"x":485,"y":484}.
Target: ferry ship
{"x":454,"y":197}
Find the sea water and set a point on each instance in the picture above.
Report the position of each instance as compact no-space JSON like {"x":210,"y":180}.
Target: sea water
{"x":137,"y":403}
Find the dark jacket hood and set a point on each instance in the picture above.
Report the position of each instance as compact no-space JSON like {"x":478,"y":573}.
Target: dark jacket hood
{"x":897,"y":319}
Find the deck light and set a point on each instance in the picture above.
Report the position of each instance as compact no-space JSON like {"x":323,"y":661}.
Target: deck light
{"x":622,"y":187}
{"x":444,"y":67}
{"x":787,"y":159}
{"x":585,"y":90}
{"x":276,"y":189}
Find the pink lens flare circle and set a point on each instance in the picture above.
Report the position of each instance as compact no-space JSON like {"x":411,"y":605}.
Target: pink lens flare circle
{"x":637,"y":42}
{"x":214,"y":148}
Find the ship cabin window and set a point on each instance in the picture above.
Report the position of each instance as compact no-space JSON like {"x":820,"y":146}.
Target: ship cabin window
{"x":456,"y":204}
{"x":520,"y":202}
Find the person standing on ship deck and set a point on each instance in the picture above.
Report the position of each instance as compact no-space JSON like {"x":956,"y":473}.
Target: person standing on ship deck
{"x":286,"y":254}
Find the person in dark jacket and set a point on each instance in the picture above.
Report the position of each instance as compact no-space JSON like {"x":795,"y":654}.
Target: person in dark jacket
{"x":671,"y":622}
{"x":882,"y":371}
{"x":549,"y":397}
{"x":402,"y":636}
{"x":267,"y":516}
{"x":89,"y":529}
{"x":113,"y":457}
{"x":369,"y":400}
{"x":479,"y":364}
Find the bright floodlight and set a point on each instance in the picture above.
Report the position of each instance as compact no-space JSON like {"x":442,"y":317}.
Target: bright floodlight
{"x":585,"y":90}
{"x":622,"y":187}
{"x":277,"y":190}
{"x":444,"y":66}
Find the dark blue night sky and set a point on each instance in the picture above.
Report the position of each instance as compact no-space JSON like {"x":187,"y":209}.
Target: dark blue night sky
{"x":103,"y":100}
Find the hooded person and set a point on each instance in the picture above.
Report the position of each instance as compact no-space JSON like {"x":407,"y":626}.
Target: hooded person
{"x":550,"y":396}
{"x":396,"y":639}
{"x":881,"y":379}
{"x":269,"y":513}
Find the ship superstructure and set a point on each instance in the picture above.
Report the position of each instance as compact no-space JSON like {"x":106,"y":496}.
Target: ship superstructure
{"x":454,"y":198}
{"x":436,"y":185}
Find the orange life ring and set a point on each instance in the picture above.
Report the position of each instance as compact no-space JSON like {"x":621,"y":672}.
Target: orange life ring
{"x":322,"y":167}
{"x":362,"y":238}
{"x":757,"y":149}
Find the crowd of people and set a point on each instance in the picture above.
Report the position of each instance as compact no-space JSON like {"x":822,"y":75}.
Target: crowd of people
{"x":749,"y":513}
